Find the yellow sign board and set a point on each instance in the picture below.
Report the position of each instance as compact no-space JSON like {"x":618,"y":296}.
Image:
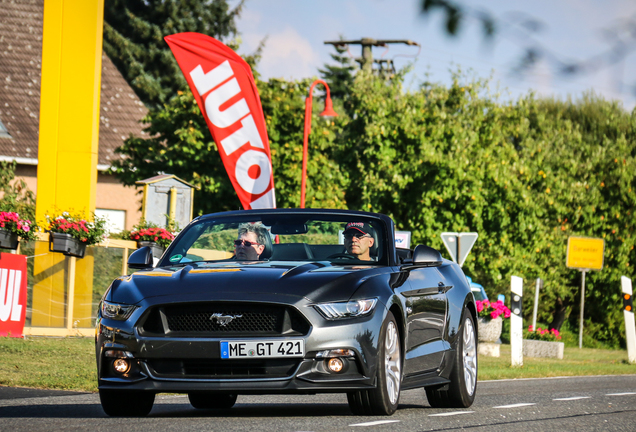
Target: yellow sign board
{"x":585,"y":253}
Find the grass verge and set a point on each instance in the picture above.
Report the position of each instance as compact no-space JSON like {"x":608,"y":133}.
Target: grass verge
{"x":49,"y":363}
{"x":576,"y":362}
{"x":69,"y":364}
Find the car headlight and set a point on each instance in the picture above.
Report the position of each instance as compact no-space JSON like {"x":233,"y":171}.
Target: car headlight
{"x":117,"y":311}
{"x":350,"y":309}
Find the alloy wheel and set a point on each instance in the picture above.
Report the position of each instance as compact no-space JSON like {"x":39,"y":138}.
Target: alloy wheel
{"x":470,"y":356}
{"x":392,"y":363}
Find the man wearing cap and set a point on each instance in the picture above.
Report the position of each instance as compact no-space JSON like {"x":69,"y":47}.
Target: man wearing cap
{"x":359,"y":239}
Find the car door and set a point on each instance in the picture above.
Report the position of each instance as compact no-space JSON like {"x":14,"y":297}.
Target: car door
{"x":426,"y":308}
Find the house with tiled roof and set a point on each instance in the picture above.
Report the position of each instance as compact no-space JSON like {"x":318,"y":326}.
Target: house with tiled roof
{"x":120,"y":111}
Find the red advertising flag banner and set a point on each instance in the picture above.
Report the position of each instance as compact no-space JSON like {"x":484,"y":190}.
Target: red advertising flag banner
{"x":224,"y":88}
{"x":13,"y":294}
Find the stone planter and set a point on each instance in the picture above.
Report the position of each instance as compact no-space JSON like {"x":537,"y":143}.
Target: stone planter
{"x":157,"y":250}
{"x":8,"y":239}
{"x":64,"y":243}
{"x":539,"y":348}
{"x":489,"y":333}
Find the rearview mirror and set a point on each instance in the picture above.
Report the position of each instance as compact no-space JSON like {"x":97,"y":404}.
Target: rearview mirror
{"x":141,"y":258}
{"x":286,"y":229}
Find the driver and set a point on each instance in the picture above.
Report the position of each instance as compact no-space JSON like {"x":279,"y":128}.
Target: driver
{"x":359,"y":239}
{"x":251,"y":241}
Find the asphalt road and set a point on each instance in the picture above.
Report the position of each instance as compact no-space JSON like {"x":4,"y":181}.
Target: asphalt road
{"x":603,"y":403}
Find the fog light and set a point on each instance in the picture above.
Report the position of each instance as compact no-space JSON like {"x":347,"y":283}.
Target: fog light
{"x":121,"y":365}
{"x":335,"y":365}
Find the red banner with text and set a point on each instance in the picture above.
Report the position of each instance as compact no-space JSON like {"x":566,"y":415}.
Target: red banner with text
{"x":13,"y":294}
{"x":224,"y":88}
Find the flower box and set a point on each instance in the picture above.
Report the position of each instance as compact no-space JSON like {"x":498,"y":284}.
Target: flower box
{"x":157,"y":250}
{"x":489,"y":332}
{"x":539,"y":348}
{"x":66,"y":244}
{"x":8,"y":239}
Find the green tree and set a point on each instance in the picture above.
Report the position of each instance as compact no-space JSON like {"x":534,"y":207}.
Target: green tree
{"x":340,"y":75}
{"x":524,"y":174}
{"x":133,"y":39}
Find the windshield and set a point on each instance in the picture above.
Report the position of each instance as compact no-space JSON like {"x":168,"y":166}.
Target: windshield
{"x":281,"y":237}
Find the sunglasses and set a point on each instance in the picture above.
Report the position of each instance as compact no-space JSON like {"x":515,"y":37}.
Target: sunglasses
{"x":245,"y":243}
{"x":356,"y":235}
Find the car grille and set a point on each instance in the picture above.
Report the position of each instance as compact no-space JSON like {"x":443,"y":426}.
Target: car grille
{"x":223,"y":369}
{"x":224,"y":319}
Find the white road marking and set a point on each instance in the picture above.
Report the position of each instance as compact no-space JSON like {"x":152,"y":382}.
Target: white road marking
{"x":515,"y":405}
{"x":620,"y":394}
{"x":572,"y":398}
{"x":450,"y":413}
{"x":374,"y":423}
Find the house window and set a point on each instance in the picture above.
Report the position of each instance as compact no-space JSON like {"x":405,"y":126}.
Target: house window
{"x":116,"y":219}
{"x":4,"y":133}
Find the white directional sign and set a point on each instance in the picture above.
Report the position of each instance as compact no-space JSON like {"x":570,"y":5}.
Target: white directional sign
{"x":630,"y":329}
{"x":459,"y":245}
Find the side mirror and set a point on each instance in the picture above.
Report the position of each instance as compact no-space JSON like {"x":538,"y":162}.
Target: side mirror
{"x":141,"y":258}
{"x":425,"y":256}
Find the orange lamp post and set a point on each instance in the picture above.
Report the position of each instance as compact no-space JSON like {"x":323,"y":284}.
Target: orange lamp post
{"x":328,"y":112}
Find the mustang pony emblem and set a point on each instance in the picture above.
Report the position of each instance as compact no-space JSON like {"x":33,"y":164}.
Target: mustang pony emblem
{"x":224,"y":320}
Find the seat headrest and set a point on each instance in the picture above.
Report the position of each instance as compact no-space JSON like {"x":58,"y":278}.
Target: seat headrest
{"x":267,"y":252}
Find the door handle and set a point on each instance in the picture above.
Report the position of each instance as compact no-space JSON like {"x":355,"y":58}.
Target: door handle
{"x":443,"y":288}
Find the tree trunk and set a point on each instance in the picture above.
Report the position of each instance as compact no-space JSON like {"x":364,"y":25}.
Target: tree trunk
{"x":561,"y":312}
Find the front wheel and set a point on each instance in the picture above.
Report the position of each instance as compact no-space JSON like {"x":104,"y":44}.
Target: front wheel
{"x":118,"y":403}
{"x":383,"y":400}
{"x":463,"y":378}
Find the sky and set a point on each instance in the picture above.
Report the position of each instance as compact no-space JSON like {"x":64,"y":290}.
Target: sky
{"x":570,"y":31}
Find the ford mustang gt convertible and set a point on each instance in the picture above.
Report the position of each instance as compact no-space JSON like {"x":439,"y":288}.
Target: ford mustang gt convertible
{"x":287,"y":302}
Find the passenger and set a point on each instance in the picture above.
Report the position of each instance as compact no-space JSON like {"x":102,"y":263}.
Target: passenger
{"x":359,"y":239}
{"x":251,"y":241}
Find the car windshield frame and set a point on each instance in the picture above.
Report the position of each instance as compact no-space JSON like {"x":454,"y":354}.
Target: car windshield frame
{"x":282,"y":221}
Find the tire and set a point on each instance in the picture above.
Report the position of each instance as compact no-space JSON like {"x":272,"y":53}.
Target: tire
{"x":460,"y":392}
{"x":210,"y":400}
{"x":383,"y":400}
{"x":118,"y":403}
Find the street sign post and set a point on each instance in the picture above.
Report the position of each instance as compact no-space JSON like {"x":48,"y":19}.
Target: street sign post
{"x":459,"y":245}
{"x":516,"y":321}
{"x":628,"y":314}
{"x":584,"y":254}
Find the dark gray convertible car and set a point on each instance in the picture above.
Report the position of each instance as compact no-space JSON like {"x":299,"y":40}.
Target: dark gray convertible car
{"x":287,"y":301}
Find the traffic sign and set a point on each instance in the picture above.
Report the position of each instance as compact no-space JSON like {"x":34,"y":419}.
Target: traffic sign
{"x":459,"y":245}
{"x":585,"y":253}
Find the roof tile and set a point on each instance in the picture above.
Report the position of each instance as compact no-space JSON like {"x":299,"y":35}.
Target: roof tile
{"x":20,"y":65}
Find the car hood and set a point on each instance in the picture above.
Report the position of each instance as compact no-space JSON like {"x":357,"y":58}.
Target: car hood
{"x":273,"y":281}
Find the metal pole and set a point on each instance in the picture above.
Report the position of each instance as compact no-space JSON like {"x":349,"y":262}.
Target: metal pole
{"x":536,"y":303}
{"x":306,"y":133}
{"x":582,"y":305}
{"x":70,"y":285}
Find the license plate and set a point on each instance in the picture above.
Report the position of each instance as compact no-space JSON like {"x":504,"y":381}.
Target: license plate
{"x":263,"y":349}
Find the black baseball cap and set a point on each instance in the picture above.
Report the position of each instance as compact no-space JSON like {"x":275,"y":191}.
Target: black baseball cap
{"x":361,"y":227}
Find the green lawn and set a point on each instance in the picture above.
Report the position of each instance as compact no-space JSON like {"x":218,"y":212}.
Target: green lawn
{"x":584,"y":361}
{"x":69,"y":364}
